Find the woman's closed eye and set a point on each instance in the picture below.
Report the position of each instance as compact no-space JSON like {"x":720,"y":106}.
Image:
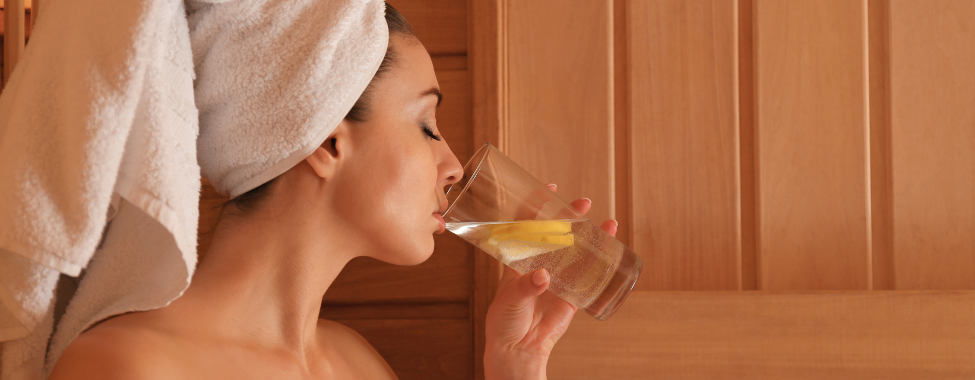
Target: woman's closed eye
{"x":429,"y":131}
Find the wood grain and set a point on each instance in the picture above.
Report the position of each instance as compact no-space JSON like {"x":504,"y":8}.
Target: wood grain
{"x":487,"y":65}
{"x":811,"y":91}
{"x":747,"y":144}
{"x":757,"y":335}
{"x":420,"y":349}
{"x":932,"y":77}
{"x":560,"y":97}
{"x":440,"y":24}
{"x":623,"y":158}
{"x":881,"y":199}
{"x":684,"y":144}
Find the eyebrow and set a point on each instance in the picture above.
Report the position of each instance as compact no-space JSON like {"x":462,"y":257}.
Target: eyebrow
{"x":434,"y":91}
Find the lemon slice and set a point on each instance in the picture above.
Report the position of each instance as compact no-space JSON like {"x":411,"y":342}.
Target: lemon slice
{"x":524,"y":239}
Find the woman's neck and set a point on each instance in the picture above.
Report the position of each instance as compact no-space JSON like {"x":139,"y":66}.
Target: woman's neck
{"x":262,"y":280}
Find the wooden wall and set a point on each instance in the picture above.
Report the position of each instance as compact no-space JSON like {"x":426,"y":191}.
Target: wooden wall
{"x":772,"y":145}
{"x":776,"y":164}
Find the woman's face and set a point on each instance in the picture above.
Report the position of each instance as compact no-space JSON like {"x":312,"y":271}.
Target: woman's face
{"x":392,"y":192}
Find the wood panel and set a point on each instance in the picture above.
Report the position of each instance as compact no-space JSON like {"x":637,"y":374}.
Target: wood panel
{"x":440,"y":24}
{"x":814,"y":221}
{"x":621,"y":126}
{"x":881,"y":200}
{"x":487,"y":52}
{"x":560,"y":97}
{"x":757,"y":335}
{"x":933,"y":143}
{"x":684,"y":143}
{"x":420,"y":349}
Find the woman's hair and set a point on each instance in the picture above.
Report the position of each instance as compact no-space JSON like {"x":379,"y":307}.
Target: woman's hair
{"x":398,"y":26}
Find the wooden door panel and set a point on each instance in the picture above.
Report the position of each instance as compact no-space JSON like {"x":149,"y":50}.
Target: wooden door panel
{"x":440,"y":24}
{"x":684,"y":144}
{"x":812,"y":137}
{"x":560,"y":113}
{"x":759,"y":335}
{"x":932,"y":77}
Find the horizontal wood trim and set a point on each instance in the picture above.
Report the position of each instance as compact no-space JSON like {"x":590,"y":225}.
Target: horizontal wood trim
{"x":455,"y":310}
{"x":441,"y":25}
{"x":759,"y":335}
{"x":421,"y":349}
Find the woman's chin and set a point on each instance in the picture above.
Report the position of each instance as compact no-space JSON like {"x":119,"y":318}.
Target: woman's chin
{"x":418,"y":255}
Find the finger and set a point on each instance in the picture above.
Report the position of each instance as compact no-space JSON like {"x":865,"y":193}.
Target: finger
{"x":610,"y":226}
{"x":553,"y":187}
{"x":521,"y":293}
{"x":583,"y":205}
{"x":507,"y":276}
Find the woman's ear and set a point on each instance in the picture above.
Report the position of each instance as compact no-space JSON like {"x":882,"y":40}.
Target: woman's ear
{"x":326,"y":158}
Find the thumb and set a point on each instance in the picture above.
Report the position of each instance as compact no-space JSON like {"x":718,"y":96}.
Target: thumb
{"x":522,"y":291}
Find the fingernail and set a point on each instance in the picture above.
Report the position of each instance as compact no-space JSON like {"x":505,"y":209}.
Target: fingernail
{"x":540,"y":277}
{"x":588,"y":200}
{"x":615,"y":223}
{"x":552,"y":185}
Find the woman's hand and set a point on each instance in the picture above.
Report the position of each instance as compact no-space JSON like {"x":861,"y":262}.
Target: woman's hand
{"x":524,"y":322}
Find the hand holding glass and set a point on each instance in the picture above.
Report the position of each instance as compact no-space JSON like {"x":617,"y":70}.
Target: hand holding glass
{"x":503,"y":210}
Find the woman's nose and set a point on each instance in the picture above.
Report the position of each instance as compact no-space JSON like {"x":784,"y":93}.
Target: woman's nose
{"x":451,"y":171}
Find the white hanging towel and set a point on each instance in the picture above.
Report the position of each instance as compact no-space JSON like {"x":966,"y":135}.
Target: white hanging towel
{"x":99,"y":107}
{"x":98,"y":137}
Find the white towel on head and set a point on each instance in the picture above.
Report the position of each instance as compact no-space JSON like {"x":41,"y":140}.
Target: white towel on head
{"x":98,"y":134}
{"x":261,"y":113}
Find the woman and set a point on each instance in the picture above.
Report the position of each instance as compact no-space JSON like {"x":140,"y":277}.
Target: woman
{"x":373,"y":188}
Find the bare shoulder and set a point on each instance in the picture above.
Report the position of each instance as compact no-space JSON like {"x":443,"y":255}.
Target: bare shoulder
{"x":355,"y":350}
{"x":113,"y":352}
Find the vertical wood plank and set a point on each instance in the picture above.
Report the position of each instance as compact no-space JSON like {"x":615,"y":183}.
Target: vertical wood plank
{"x":684,"y":143}
{"x":814,"y":231}
{"x":881,"y":201}
{"x":621,"y":125}
{"x":933,"y":142}
{"x":488,"y":71}
{"x":13,"y":35}
{"x":746,"y":128}
{"x":560,"y":97}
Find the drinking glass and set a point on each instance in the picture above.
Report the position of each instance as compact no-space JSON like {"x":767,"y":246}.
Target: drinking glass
{"x":503,"y":210}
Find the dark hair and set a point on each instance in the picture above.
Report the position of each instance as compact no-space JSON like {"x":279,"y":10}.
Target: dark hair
{"x":397,"y":24}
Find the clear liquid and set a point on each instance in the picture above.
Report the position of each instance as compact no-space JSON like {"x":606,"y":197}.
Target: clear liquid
{"x":580,"y":256}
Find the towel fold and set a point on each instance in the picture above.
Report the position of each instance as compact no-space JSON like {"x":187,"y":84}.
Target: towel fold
{"x":98,"y":140}
{"x":100,"y":106}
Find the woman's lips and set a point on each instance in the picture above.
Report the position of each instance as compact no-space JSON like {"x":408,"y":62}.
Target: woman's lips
{"x":443,"y":224}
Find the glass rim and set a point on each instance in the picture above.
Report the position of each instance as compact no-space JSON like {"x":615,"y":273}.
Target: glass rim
{"x":485,"y":149}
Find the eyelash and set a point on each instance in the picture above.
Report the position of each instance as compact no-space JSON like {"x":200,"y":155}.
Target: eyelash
{"x":429,"y":132}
